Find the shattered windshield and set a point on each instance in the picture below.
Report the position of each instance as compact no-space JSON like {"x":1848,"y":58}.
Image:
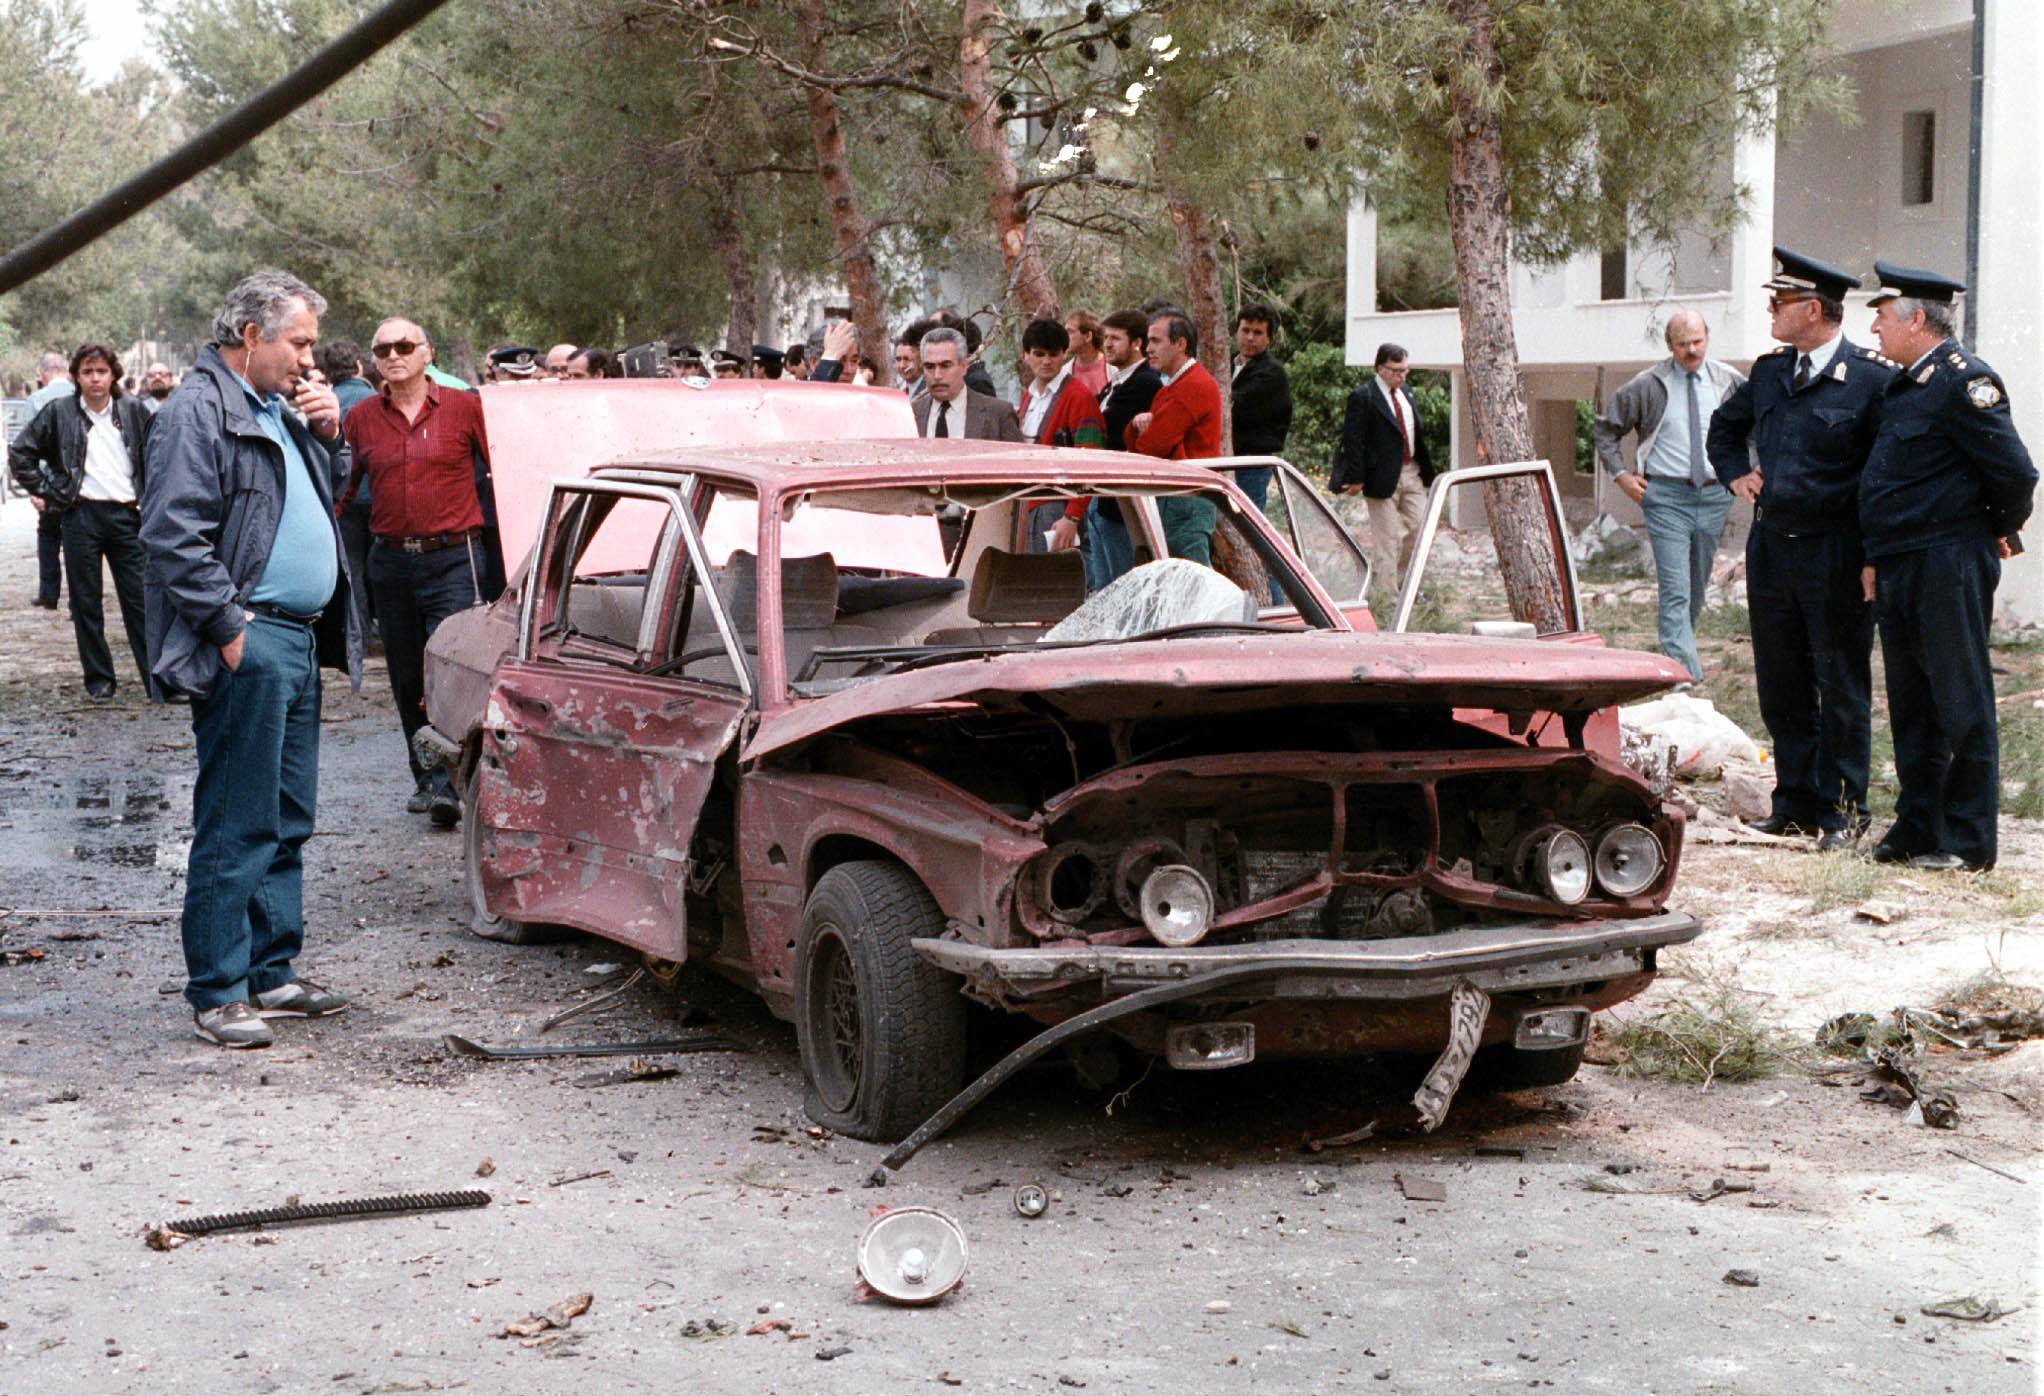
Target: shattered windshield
{"x":978,"y":568}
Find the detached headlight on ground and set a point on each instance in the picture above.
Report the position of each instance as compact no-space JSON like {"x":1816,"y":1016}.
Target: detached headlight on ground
{"x":1177,"y":905}
{"x":1556,"y":863}
{"x":1629,"y":858}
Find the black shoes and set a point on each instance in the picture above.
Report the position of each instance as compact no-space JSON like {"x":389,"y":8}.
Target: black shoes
{"x":47,"y":603}
{"x":1885,"y":852}
{"x":421,"y":801}
{"x":444,"y":810}
{"x":1946,"y":862}
{"x":100,"y":692}
{"x":1837,"y":840}
{"x":1782,"y":825}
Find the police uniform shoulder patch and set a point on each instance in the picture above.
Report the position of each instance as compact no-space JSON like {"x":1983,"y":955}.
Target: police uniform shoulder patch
{"x":1878,"y":357}
{"x":1778,"y":351}
{"x":1957,"y":360}
{"x":1983,"y":393}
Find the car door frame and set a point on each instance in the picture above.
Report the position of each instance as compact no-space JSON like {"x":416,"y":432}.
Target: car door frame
{"x":1557,"y":527}
{"x":634,"y":752}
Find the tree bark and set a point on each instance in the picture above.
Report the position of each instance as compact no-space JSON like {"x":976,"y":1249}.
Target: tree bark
{"x":1200,"y":265}
{"x":848,"y":225}
{"x":726,"y":237}
{"x":1029,"y":284}
{"x":1528,"y":551}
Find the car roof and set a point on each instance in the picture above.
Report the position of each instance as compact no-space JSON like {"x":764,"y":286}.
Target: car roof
{"x":794,"y":466}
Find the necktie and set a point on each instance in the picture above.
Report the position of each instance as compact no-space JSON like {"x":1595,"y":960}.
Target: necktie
{"x":1802,"y":372}
{"x":1697,"y":472}
{"x":943,"y":427}
{"x":1404,"y":428}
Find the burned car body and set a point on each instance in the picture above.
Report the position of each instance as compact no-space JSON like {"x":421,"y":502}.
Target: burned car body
{"x":873,"y":791}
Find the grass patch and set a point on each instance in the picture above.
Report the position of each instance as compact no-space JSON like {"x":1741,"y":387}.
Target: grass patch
{"x":1989,"y":992}
{"x":1833,"y":881}
{"x":1714,"y":1034}
{"x":1728,"y":620}
{"x":2022,"y":764}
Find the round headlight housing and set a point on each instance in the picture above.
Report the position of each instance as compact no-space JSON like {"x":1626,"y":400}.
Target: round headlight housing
{"x":1557,"y":865}
{"x":1177,"y":905}
{"x":1629,"y":858}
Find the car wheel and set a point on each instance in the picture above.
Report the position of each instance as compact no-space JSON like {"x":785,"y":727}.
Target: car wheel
{"x":483,"y":921}
{"x":882,"y":1031}
{"x":1504,"y":1067}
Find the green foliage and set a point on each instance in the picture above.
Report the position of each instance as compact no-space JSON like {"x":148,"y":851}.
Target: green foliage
{"x":2022,"y":764}
{"x":1711,"y":1034}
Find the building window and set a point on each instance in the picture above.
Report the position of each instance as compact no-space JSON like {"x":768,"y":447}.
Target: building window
{"x":1919,"y":158}
{"x":1611,"y":275}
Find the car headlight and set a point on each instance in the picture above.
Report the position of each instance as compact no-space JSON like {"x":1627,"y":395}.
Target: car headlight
{"x":1177,"y":905}
{"x":1629,"y":858}
{"x":1556,"y":863}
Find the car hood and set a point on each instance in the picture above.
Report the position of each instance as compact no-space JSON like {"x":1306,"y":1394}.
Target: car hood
{"x":1220,"y":674}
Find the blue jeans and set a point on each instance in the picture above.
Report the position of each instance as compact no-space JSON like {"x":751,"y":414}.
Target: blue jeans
{"x":1105,"y":548}
{"x":1683,"y":526}
{"x":257,"y":735}
{"x":1255,"y":484}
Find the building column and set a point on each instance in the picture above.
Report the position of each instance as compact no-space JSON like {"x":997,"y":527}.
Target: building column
{"x":2009,"y":323}
{"x":1362,"y":276}
{"x":1745,"y":331}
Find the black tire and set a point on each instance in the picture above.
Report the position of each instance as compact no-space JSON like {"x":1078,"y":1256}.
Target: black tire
{"x":882,"y":1031}
{"x":1504,"y":1067}
{"x":483,"y":921}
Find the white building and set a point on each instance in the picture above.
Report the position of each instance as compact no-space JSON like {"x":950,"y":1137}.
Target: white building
{"x":1897,"y":184}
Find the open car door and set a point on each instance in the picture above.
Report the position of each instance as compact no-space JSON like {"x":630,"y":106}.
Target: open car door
{"x":1493,"y":617}
{"x":1316,"y":535}
{"x":603,"y":731}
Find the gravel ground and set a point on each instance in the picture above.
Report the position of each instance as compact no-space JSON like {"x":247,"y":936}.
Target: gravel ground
{"x":1190,"y":1243}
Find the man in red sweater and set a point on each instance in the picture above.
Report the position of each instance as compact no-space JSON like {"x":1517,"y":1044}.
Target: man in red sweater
{"x":1183,"y":423}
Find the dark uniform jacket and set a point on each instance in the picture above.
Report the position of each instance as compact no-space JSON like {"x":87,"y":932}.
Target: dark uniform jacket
{"x":1373,"y":448}
{"x":209,"y":519}
{"x":1121,"y":403}
{"x":1946,"y":465}
{"x":1812,"y":444}
{"x":1262,"y":404}
{"x":48,"y":458}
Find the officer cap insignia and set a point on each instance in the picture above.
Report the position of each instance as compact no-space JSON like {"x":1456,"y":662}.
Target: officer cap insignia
{"x":1983,"y":393}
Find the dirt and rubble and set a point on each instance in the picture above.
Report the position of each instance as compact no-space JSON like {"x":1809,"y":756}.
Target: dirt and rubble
{"x":694,"y":1228}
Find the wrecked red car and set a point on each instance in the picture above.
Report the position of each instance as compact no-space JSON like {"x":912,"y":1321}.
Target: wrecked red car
{"x":815,"y":715}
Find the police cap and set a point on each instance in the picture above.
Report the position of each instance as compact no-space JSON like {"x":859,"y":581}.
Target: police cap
{"x":518,"y":360}
{"x":1809,"y":276}
{"x":1916,"y":285}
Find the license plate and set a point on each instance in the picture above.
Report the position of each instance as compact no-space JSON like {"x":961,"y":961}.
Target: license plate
{"x":1468,"y":1007}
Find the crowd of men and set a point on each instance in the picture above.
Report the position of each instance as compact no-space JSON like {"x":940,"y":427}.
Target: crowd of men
{"x":1887,"y":486}
{"x":260,"y":516}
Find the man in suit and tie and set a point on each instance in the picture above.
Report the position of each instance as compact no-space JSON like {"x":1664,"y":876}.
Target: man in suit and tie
{"x":1384,"y":458}
{"x":950,"y":408}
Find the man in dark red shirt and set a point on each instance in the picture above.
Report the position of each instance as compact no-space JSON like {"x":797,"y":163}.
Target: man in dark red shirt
{"x":1183,"y":423}
{"x":418,"y":444}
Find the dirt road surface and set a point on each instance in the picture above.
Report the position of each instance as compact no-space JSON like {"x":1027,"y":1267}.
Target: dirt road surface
{"x":1191,"y":1242}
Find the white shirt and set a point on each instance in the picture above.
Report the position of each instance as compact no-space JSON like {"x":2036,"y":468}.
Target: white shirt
{"x":1180,"y":373}
{"x":109,"y":474}
{"x":1399,"y":412}
{"x":953,"y":426}
{"x":1040,"y":399}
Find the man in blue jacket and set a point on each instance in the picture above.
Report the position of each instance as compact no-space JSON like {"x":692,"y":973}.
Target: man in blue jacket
{"x":1808,"y":412}
{"x":247,"y":598}
{"x":1947,"y":485}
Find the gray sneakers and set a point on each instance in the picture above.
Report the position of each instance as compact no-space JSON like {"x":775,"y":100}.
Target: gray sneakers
{"x":232,"y":1025}
{"x":301,"y":998}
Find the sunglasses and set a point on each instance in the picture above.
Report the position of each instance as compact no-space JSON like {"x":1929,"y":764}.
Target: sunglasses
{"x":400,"y":347}
{"x":1782,"y":302}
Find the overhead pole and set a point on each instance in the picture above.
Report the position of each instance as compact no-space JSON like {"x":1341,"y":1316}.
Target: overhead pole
{"x":230,"y":133}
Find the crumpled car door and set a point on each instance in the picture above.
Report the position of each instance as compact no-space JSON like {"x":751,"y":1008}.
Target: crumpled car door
{"x":598,"y":752}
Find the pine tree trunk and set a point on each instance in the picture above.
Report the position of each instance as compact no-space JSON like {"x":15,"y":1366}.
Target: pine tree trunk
{"x":847,"y":224}
{"x":738,"y":272}
{"x":1029,"y":284}
{"x":1477,"y":211}
{"x":1200,"y":266}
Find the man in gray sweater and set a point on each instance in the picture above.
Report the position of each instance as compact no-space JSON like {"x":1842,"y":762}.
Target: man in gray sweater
{"x":1669,"y":406}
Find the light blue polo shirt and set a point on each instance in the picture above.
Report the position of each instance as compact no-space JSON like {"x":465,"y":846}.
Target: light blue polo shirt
{"x":303,"y":567}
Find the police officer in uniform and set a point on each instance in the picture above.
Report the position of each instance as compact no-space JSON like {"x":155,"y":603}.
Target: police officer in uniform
{"x":1945,"y":488}
{"x":1808,"y":412}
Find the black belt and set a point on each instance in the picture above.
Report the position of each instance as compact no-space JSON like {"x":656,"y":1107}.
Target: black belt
{"x":431,"y":543}
{"x":264,"y":608}
{"x":1681,"y":480}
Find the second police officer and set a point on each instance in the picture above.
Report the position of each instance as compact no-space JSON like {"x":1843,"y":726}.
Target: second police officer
{"x":1946,"y":485}
{"x":1808,"y":412}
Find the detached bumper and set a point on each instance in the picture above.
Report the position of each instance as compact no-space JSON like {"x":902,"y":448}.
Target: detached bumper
{"x":434,"y":748}
{"x":1497,"y":959}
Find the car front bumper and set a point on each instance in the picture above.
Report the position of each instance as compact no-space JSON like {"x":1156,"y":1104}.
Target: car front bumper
{"x":1506,"y":959}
